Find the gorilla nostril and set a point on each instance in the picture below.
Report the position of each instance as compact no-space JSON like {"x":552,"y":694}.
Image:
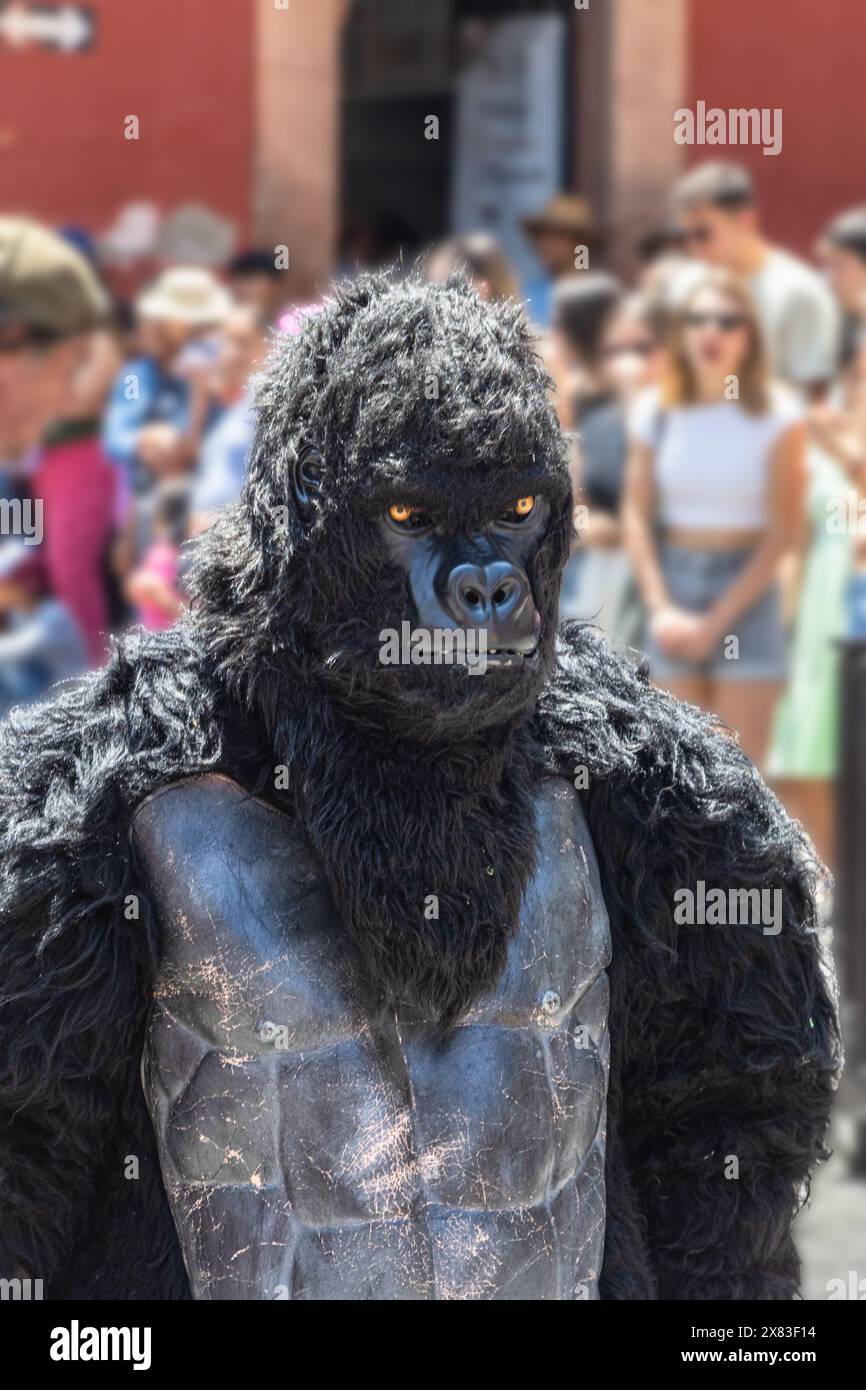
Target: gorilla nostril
{"x":492,"y":592}
{"x":507,"y":591}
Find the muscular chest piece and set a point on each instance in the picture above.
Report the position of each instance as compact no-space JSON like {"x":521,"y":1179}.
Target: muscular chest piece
{"x":310,"y":1152}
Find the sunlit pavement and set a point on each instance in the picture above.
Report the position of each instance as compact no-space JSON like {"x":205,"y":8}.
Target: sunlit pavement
{"x":831,"y":1231}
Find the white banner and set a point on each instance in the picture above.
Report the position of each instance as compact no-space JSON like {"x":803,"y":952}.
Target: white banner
{"x":69,"y":28}
{"x":509,"y":128}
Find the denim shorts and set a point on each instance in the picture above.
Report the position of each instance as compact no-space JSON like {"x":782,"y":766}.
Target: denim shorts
{"x":855,"y":605}
{"x":694,"y":580}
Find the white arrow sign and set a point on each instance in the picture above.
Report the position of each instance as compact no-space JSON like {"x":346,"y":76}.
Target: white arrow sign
{"x":66,"y":27}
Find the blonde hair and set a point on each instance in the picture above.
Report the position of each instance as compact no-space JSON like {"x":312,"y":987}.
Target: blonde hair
{"x":483,"y":258}
{"x":678,"y":385}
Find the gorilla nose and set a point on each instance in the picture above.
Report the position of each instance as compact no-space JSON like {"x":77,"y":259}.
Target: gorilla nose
{"x":497,"y":597}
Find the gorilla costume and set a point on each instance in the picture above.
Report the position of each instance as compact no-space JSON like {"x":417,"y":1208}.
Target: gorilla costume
{"x":329,"y":979}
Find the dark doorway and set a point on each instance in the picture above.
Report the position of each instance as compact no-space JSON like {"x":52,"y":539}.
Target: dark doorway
{"x":401,"y":69}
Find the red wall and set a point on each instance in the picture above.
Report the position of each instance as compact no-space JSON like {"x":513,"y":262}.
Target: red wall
{"x":184,"y":67}
{"x":809,"y":58}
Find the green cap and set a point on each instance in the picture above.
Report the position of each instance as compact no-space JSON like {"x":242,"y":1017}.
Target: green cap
{"x":45,"y":284}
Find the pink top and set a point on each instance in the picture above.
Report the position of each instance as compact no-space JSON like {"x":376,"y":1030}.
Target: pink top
{"x":77,"y":486}
{"x":292,"y":321}
{"x":161,"y":559}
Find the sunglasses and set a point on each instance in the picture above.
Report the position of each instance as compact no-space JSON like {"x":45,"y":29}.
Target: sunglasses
{"x":700,"y":235}
{"x":642,"y":349}
{"x":726,"y":323}
{"x":18,"y":337}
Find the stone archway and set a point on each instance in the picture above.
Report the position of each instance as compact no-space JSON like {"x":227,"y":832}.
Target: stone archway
{"x":294,"y":194}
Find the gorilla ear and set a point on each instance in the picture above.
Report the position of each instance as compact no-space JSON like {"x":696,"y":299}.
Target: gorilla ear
{"x":308,"y":474}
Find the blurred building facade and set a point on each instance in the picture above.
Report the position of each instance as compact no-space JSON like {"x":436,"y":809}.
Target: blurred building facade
{"x":287,"y":122}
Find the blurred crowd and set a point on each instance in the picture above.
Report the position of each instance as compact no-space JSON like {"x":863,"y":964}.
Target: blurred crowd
{"x":715,"y":406}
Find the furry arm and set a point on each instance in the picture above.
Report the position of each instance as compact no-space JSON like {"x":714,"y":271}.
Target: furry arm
{"x":76,"y":948}
{"x":725,"y":1036}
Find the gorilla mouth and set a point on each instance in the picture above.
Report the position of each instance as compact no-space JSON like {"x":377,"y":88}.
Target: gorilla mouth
{"x":493,"y":676}
{"x":508,"y":656}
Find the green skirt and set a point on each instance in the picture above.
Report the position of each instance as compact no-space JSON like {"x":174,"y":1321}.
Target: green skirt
{"x":805,"y":733}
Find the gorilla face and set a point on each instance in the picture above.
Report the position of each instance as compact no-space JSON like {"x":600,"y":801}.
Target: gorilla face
{"x":433,"y":495}
{"x":409,"y":428}
{"x":454,"y":563}
{"x":477,"y":583}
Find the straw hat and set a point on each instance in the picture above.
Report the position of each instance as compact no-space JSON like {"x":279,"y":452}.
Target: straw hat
{"x":564,"y":212}
{"x":186,"y":294}
{"x":45,"y":284}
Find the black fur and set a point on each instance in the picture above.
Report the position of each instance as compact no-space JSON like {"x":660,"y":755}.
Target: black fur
{"x":724,"y":1040}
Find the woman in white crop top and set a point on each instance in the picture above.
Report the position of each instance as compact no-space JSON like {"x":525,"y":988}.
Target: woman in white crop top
{"x":713,"y":499}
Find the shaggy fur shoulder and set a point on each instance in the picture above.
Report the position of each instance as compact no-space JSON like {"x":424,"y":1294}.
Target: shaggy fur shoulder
{"x":82,"y":1202}
{"x":725,"y":1038}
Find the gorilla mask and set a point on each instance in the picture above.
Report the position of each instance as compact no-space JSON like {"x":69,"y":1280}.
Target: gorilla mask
{"x":408,"y":475}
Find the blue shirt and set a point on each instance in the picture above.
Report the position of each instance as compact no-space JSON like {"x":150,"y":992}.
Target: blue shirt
{"x":538,"y":297}
{"x":144,"y":394}
{"x":223,"y":460}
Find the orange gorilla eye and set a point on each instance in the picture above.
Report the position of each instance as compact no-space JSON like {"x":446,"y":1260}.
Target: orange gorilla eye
{"x":399,"y":512}
{"x":523,"y":506}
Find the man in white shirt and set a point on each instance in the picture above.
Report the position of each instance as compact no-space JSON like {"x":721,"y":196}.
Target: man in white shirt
{"x":715,"y":205}
{"x":842,"y":249}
